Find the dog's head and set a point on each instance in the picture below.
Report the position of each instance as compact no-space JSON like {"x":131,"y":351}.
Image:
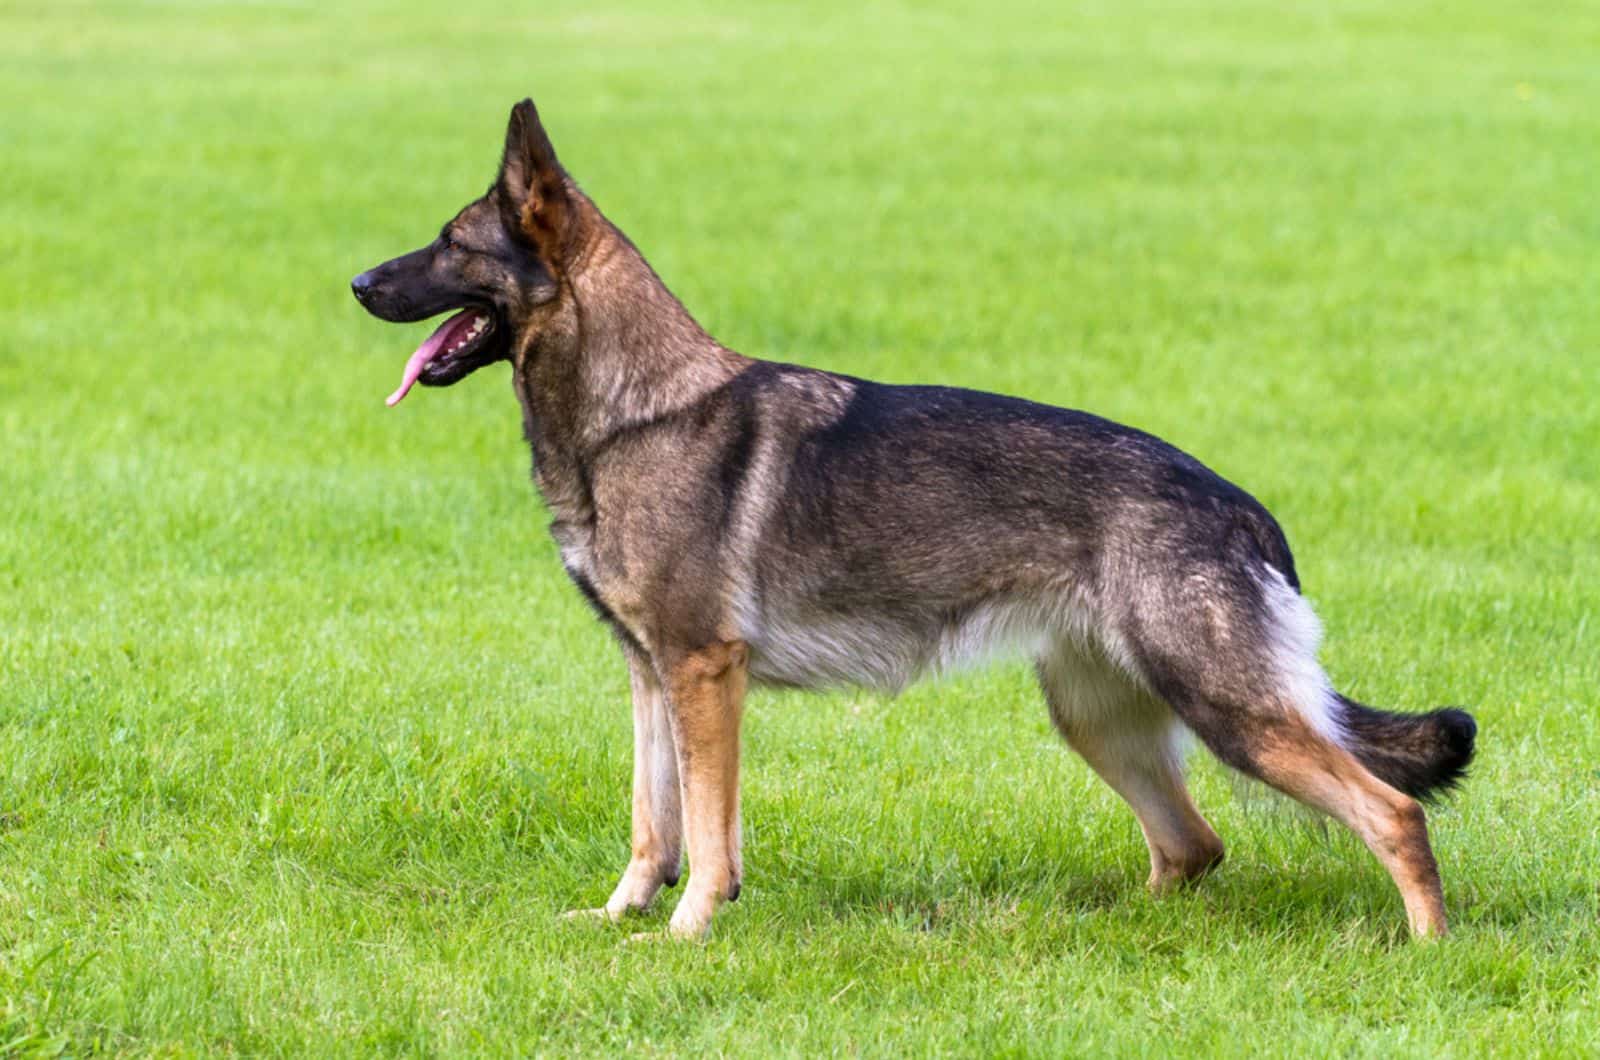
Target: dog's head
{"x":499,"y":264}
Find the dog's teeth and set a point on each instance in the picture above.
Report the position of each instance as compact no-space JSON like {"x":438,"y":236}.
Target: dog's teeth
{"x":479,"y":325}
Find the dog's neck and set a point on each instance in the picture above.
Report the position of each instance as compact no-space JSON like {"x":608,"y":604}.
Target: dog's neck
{"x":642,"y":355}
{"x":623,"y":353}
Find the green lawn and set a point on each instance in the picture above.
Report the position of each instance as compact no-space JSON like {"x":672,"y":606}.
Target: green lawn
{"x":305,"y":741}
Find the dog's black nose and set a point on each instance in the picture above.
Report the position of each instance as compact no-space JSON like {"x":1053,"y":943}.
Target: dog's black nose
{"x":362,"y":285}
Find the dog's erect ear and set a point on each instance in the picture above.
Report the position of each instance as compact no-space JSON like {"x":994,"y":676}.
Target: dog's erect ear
{"x":534,"y":201}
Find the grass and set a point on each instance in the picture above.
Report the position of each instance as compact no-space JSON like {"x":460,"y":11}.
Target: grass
{"x":305,"y":741}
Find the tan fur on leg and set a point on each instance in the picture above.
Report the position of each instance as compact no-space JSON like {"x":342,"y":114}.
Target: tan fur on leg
{"x":705,"y":691}
{"x":1392,"y":825}
{"x":1131,"y":739}
{"x":1183,"y":846}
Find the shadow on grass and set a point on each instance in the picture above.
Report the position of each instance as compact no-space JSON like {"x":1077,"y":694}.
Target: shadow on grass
{"x":1252,"y":900}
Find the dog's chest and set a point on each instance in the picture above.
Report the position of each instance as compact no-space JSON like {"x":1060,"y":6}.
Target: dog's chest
{"x":606,"y":594}
{"x":577,"y":544}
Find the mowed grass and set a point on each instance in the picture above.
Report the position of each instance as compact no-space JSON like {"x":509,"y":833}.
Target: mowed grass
{"x":305,"y":742}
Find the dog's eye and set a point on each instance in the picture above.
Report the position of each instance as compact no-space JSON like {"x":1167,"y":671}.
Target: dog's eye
{"x":447,"y":242}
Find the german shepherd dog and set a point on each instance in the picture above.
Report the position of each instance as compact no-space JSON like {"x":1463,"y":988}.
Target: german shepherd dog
{"x":738,"y":521}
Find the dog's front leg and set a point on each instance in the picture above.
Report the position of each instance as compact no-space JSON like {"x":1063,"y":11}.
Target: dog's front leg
{"x":705,"y":698}
{"x":657,"y":810}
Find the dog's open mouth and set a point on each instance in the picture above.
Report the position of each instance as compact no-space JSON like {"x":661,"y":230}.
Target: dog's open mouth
{"x":452,"y":351}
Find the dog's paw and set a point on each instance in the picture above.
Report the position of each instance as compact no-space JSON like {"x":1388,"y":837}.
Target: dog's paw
{"x":668,"y":936}
{"x":602,"y":914}
{"x":691,"y":921}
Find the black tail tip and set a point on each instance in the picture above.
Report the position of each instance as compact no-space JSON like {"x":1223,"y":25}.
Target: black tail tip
{"x":1459,"y":730}
{"x":1458,"y":734}
{"x":1423,"y":755}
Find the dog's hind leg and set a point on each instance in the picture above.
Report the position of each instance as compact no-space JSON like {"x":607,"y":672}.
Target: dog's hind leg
{"x":657,"y":812}
{"x":1290,"y":755}
{"x":1130,"y":738}
{"x":1235,"y":655}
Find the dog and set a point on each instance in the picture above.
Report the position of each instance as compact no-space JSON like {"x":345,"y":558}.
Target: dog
{"x":739,"y":521}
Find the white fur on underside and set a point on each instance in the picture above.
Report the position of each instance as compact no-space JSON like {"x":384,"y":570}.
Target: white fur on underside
{"x":887,"y":656}
{"x":882,"y":654}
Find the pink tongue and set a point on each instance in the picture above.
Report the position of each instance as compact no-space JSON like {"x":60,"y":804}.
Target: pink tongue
{"x":425,"y":353}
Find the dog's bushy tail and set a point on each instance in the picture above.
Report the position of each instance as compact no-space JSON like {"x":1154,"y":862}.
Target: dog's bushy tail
{"x":1423,"y":755}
